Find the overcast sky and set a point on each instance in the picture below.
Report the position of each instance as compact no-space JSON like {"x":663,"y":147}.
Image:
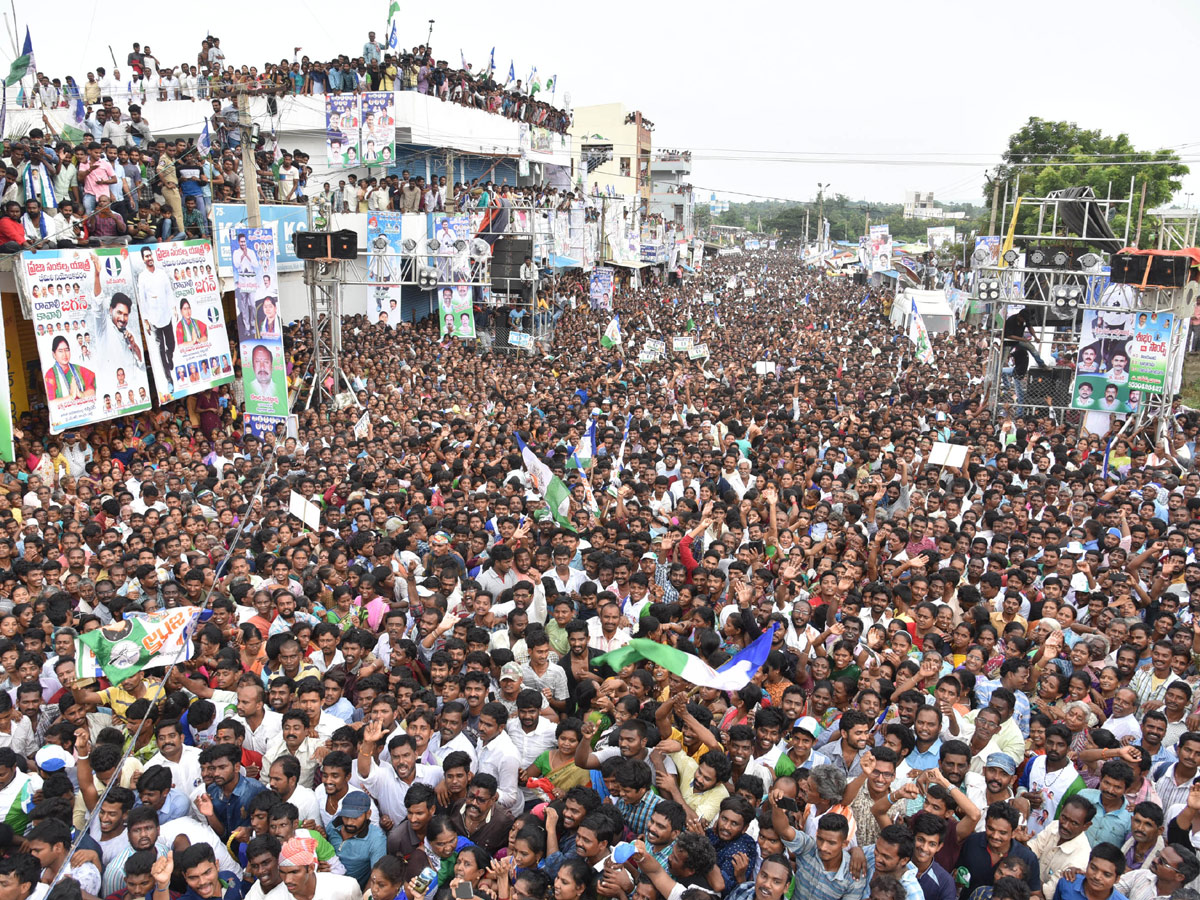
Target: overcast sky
{"x":929,"y":90}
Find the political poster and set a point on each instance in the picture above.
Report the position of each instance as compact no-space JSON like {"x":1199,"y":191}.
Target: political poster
{"x":771,"y":245}
{"x":184,"y":325}
{"x":752,"y":244}
{"x":285,"y":219}
{"x":377,"y":140}
{"x":1122,"y":356}
{"x":698,"y":351}
{"x":521,"y":339}
{"x":456,"y":312}
{"x":89,"y":334}
{"x":341,"y":131}
{"x":6,"y":409}
{"x":939,"y":236}
{"x":655,"y":346}
{"x":386,"y":233}
{"x":600,"y":288}
{"x":990,"y":258}
{"x":264,"y":375}
{"x":879,"y":247}
{"x":682,"y":343}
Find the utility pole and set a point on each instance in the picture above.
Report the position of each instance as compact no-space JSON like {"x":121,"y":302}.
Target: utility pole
{"x":806,"y":227}
{"x":995,"y":204}
{"x":249,"y":169}
{"x":867,"y":229}
{"x":450,"y":169}
{"x":821,"y":215}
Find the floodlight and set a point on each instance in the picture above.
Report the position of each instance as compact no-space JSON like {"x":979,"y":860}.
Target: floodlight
{"x":409,"y":245}
{"x":433,"y":244}
{"x":989,"y":290}
{"x":1061,"y":258}
{"x":480,"y":248}
{"x":1088,"y":260}
{"x":426,"y":278}
{"x":1037,"y":256}
{"x":460,"y":245}
{"x":1011,"y":257}
{"x":980,"y":255}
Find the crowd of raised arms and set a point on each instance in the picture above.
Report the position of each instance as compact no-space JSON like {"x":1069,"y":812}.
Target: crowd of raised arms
{"x":982,"y":681}
{"x":374,"y":68}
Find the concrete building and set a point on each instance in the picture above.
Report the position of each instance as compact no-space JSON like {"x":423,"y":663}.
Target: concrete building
{"x":627,"y":173}
{"x":671,"y":193}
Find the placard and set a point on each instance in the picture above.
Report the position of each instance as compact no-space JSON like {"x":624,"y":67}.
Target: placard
{"x":943,"y":454}
{"x":521,"y":339}
{"x":682,"y":343}
{"x":304,"y":510}
{"x":698,"y":351}
{"x":264,"y":374}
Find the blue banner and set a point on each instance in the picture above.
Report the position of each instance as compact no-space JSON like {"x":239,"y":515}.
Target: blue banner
{"x":228,"y":217}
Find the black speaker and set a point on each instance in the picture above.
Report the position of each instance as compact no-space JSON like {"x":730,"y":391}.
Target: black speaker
{"x":508,"y":255}
{"x":1128,"y":268}
{"x":1169,"y":271}
{"x":325,"y":245}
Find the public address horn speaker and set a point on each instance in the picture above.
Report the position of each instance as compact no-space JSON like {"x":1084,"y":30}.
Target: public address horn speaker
{"x":325,"y":244}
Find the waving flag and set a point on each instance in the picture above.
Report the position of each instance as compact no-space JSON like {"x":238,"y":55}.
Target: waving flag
{"x":512,"y":73}
{"x":492,"y":62}
{"x":582,"y":454}
{"x":393,"y":33}
{"x":140,"y":641}
{"x":919,"y":334}
{"x":24,"y":63}
{"x":204,"y":142}
{"x":732,"y":676}
{"x":535,"y":83}
{"x":612,"y":334}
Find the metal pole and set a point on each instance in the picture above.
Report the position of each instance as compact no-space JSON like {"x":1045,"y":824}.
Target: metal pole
{"x":1137,"y":238}
{"x":249,"y":169}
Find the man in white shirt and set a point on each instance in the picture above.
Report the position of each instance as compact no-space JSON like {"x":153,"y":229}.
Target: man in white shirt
{"x":450,"y":736}
{"x":531,"y":733}
{"x":157,"y":299}
{"x":498,"y":756}
{"x":263,"y":726}
{"x":183,"y":761}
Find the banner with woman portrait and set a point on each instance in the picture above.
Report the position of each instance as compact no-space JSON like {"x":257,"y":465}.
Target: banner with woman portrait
{"x":89,"y":334}
{"x":341,"y":131}
{"x":179,"y":295}
{"x":377,"y":140}
{"x":264,"y":372}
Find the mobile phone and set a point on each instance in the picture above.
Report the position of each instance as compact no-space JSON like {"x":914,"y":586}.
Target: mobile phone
{"x":464,"y":891}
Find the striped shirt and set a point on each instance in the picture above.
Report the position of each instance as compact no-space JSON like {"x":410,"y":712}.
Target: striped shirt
{"x":637,"y":816}
{"x":810,"y":872}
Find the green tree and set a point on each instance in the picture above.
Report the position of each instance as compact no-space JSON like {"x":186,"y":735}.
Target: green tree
{"x":1050,"y":156}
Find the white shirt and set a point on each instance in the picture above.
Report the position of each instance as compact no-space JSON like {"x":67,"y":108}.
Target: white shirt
{"x":268,"y":731}
{"x":498,"y":757}
{"x":389,"y":791}
{"x":199,"y":833}
{"x":597,"y":640}
{"x":532,"y":744}
{"x":185,"y":774}
{"x":305,"y":801}
{"x":435,"y":753}
{"x":337,"y":887}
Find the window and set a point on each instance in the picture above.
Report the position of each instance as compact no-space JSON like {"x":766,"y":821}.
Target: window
{"x":625,"y":166}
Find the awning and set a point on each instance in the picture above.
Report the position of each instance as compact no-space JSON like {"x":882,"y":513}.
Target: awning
{"x":563,"y":262}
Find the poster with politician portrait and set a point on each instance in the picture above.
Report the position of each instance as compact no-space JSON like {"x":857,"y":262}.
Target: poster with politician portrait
{"x":377,"y":137}
{"x":264,"y":368}
{"x":88,"y":330}
{"x":185,"y":335}
{"x":341,"y":131}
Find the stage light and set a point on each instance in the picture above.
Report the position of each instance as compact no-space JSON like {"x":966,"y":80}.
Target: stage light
{"x":460,"y":245}
{"x":1011,"y":257}
{"x":409,"y":245}
{"x":427,"y":278}
{"x":1061,"y":258}
{"x":989,"y":290}
{"x":480,"y":249}
{"x":434,"y":244}
{"x":1037,"y":256}
{"x":1088,"y":260}
{"x":1066,"y":297}
{"x":981,"y":255}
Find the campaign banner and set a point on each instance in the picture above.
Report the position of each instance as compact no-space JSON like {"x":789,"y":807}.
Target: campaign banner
{"x":184,"y":325}
{"x":939,"y":236}
{"x":259,"y":425}
{"x":452,"y":236}
{"x":89,"y":334}
{"x":341,"y":131}
{"x":522,"y":339}
{"x":991,"y":244}
{"x":386,"y":233}
{"x":377,"y":140}
{"x":600,"y":288}
{"x":752,"y":244}
{"x":1122,"y":356}
{"x":698,"y":351}
{"x":285,"y":219}
{"x":264,"y":375}
{"x":682,"y":343}
{"x":771,"y":245}
{"x":655,"y":346}
{"x":879,"y":248}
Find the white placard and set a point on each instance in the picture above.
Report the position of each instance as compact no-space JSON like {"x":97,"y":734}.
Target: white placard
{"x":943,"y":454}
{"x":363,"y":426}
{"x":764,"y":367}
{"x":305,"y":510}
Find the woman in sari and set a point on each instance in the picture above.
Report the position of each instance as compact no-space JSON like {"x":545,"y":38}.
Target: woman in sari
{"x":557,"y":764}
{"x":253,"y":651}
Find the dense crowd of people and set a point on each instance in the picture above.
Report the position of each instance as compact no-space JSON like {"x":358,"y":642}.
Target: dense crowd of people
{"x":375,"y":68}
{"x":981,"y":680}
